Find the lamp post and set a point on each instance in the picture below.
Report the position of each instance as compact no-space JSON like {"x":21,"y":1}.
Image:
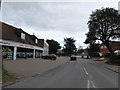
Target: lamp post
{"x":119,"y":13}
{"x":119,"y":7}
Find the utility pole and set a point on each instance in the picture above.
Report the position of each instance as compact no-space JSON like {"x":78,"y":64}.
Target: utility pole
{"x":119,"y":7}
{"x":119,"y":13}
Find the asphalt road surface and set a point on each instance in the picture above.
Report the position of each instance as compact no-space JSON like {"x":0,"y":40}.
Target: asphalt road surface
{"x":73,"y":74}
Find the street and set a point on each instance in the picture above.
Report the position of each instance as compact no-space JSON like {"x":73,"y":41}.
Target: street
{"x":82,"y":73}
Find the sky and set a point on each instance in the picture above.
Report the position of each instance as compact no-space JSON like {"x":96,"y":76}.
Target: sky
{"x":54,"y":20}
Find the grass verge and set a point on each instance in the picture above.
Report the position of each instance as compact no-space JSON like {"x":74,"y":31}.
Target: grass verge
{"x":0,"y":74}
{"x":7,"y":76}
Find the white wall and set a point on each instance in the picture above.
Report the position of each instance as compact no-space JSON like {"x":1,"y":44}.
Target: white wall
{"x":46,"y":48}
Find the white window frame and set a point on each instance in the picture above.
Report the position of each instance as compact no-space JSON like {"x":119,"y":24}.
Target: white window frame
{"x":23,"y":36}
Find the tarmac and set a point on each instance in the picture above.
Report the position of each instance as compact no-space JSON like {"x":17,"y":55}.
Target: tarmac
{"x":113,"y":68}
{"x":25,"y":68}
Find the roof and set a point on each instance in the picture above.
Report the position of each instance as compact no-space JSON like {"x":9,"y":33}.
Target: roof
{"x":41,"y":42}
{"x":112,"y":43}
{"x":14,"y":34}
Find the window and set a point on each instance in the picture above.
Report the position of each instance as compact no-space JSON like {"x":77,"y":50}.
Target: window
{"x":36,"y":41}
{"x":22,"y":36}
{"x":105,"y":47}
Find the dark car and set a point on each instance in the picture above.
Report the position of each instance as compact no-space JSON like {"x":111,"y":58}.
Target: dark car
{"x":73,"y":58}
{"x":49,"y":56}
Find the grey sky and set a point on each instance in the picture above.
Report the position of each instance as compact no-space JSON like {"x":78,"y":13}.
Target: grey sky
{"x":53,"y":20}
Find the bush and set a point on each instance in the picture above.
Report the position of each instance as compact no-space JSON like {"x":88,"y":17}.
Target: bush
{"x":107,"y":54}
{"x":115,"y":59}
{"x":6,"y":76}
{"x":94,"y":54}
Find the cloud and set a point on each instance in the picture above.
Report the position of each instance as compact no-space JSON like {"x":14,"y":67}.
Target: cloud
{"x":55,"y":20}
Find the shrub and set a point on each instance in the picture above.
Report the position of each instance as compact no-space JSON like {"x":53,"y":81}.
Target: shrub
{"x":115,"y":59}
{"x":107,"y":54}
{"x":6,"y":76}
{"x":94,"y":54}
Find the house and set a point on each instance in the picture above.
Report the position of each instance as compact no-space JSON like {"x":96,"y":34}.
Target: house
{"x":17,"y":43}
{"x":44,"y":45}
{"x":115,"y":45}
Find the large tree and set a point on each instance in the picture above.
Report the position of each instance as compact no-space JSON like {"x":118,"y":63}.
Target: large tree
{"x":69,"y":46}
{"x":104,"y":25}
{"x":53,"y":46}
{"x":93,"y":49}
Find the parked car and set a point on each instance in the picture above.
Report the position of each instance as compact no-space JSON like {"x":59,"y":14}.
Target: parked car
{"x":73,"y":58}
{"x":49,"y":56}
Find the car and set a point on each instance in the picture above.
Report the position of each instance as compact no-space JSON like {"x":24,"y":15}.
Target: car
{"x":49,"y":56}
{"x":73,"y":58}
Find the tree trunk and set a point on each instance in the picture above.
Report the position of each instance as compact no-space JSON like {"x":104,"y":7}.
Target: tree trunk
{"x":109,"y":48}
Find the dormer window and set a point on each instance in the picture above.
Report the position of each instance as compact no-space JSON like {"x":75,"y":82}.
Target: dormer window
{"x":22,"y":36}
{"x":36,"y":41}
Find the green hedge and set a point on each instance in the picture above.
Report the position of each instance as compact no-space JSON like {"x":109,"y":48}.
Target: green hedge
{"x":115,"y":59}
{"x":94,"y":54}
{"x":107,"y":54}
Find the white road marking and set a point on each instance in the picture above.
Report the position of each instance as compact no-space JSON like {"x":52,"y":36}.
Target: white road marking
{"x":85,"y":71}
{"x":88,"y":81}
{"x":88,"y":84}
{"x":92,"y":84}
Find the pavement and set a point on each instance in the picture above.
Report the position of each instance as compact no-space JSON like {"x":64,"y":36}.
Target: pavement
{"x":25,"y":68}
{"x":114,"y":68}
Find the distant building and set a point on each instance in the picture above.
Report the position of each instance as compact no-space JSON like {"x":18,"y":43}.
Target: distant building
{"x":45,"y":46}
{"x":115,"y":45}
{"x":16,"y":43}
{"x":60,"y":52}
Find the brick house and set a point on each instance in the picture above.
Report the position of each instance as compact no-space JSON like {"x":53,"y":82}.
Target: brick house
{"x":115,"y":45}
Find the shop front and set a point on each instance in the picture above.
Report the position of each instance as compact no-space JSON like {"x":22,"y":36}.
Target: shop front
{"x":13,"y":50}
{"x":7,"y":52}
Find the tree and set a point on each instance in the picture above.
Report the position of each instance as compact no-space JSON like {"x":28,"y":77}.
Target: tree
{"x":80,"y":50}
{"x":53,"y":46}
{"x":94,"y":47}
{"x":93,"y":50}
{"x":104,"y":25}
{"x":69,"y":46}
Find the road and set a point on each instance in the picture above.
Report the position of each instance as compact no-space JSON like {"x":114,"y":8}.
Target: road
{"x":73,"y":74}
